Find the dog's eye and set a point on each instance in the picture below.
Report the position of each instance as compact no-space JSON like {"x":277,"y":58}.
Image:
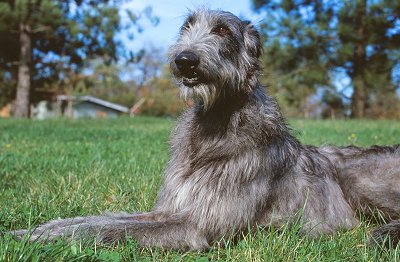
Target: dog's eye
{"x":221,"y":30}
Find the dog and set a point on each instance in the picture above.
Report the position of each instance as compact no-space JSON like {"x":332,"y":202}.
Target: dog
{"x":235,"y":165}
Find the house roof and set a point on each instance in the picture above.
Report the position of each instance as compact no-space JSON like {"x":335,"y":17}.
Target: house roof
{"x":94,"y":100}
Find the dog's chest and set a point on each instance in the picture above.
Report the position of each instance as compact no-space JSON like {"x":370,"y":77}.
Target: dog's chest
{"x":215,"y":197}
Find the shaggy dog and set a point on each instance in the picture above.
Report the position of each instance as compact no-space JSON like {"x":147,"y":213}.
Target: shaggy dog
{"x":234,"y":163}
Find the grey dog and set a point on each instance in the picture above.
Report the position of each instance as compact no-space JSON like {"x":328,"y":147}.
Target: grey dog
{"x":234,"y":163}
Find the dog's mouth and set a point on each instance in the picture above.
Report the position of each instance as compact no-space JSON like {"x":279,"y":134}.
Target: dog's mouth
{"x":191,"y":79}
{"x":191,"y":82}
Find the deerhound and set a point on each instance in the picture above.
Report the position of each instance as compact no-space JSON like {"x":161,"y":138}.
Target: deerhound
{"x":234,"y":163}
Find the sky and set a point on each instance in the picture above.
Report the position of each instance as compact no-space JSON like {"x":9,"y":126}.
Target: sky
{"x":172,"y":13}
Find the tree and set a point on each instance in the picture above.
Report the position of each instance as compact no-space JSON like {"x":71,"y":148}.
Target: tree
{"x":162,"y":96}
{"x":309,"y":42}
{"x":105,"y":83}
{"x":146,"y":66}
{"x":150,"y":64}
{"x":55,"y":38}
{"x":369,"y":36}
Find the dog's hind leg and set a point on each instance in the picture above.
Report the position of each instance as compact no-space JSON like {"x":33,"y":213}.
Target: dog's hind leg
{"x":369,"y":177}
{"x":370,"y":180}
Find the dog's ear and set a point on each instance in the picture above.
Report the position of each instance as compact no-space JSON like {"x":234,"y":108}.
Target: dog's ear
{"x":252,"y":40}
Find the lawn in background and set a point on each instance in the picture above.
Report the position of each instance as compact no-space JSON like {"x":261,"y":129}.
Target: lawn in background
{"x":62,"y":168}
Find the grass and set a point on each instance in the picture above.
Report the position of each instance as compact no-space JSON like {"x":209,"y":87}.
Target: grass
{"x":62,"y":168}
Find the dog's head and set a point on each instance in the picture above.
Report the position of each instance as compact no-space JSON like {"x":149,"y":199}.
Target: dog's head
{"x":215,"y":53}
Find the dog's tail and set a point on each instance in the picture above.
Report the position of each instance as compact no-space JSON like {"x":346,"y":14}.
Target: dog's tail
{"x":370,"y":180}
{"x":149,"y":229}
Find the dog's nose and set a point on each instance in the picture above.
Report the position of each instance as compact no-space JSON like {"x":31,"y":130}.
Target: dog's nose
{"x":187,"y":61}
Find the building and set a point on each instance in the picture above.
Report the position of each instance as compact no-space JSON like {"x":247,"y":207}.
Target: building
{"x":78,"y":107}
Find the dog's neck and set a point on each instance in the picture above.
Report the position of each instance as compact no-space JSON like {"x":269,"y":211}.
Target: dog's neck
{"x":225,"y":105}
{"x":217,"y":118}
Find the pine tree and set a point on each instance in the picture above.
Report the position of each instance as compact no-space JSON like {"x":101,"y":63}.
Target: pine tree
{"x":309,"y":41}
{"x":48,"y":39}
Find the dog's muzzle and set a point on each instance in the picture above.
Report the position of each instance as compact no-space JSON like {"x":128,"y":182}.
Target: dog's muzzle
{"x":187,"y":63}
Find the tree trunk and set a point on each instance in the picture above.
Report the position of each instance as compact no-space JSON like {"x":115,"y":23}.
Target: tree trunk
{"x":358,"y":101}
{"x":359,"y":97}
{"x":22,"y":103}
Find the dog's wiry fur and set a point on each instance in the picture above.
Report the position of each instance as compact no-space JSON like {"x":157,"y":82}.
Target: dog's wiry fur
{"x":234,"y":164}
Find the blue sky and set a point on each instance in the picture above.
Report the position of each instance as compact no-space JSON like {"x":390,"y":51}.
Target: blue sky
{"x":172,"y":13}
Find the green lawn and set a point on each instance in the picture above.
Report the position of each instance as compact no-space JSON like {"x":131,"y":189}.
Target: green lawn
{"x":61,"y":168}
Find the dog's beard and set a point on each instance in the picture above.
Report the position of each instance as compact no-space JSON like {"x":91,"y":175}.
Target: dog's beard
{"x":205,"y":94}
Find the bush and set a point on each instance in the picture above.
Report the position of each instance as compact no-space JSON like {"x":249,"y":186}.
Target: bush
{"x":162,"y":99}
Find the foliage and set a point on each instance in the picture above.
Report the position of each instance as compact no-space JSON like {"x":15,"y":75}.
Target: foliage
{"x":7,"y":88}
{"x":105,"y":83}
{"x":153,"y":83}
{"x":64,"y":34}
{"x":148,"y":65}
{"x":162,"y":97}
{"x":310,"y":44}
{"x":61,"y":168}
